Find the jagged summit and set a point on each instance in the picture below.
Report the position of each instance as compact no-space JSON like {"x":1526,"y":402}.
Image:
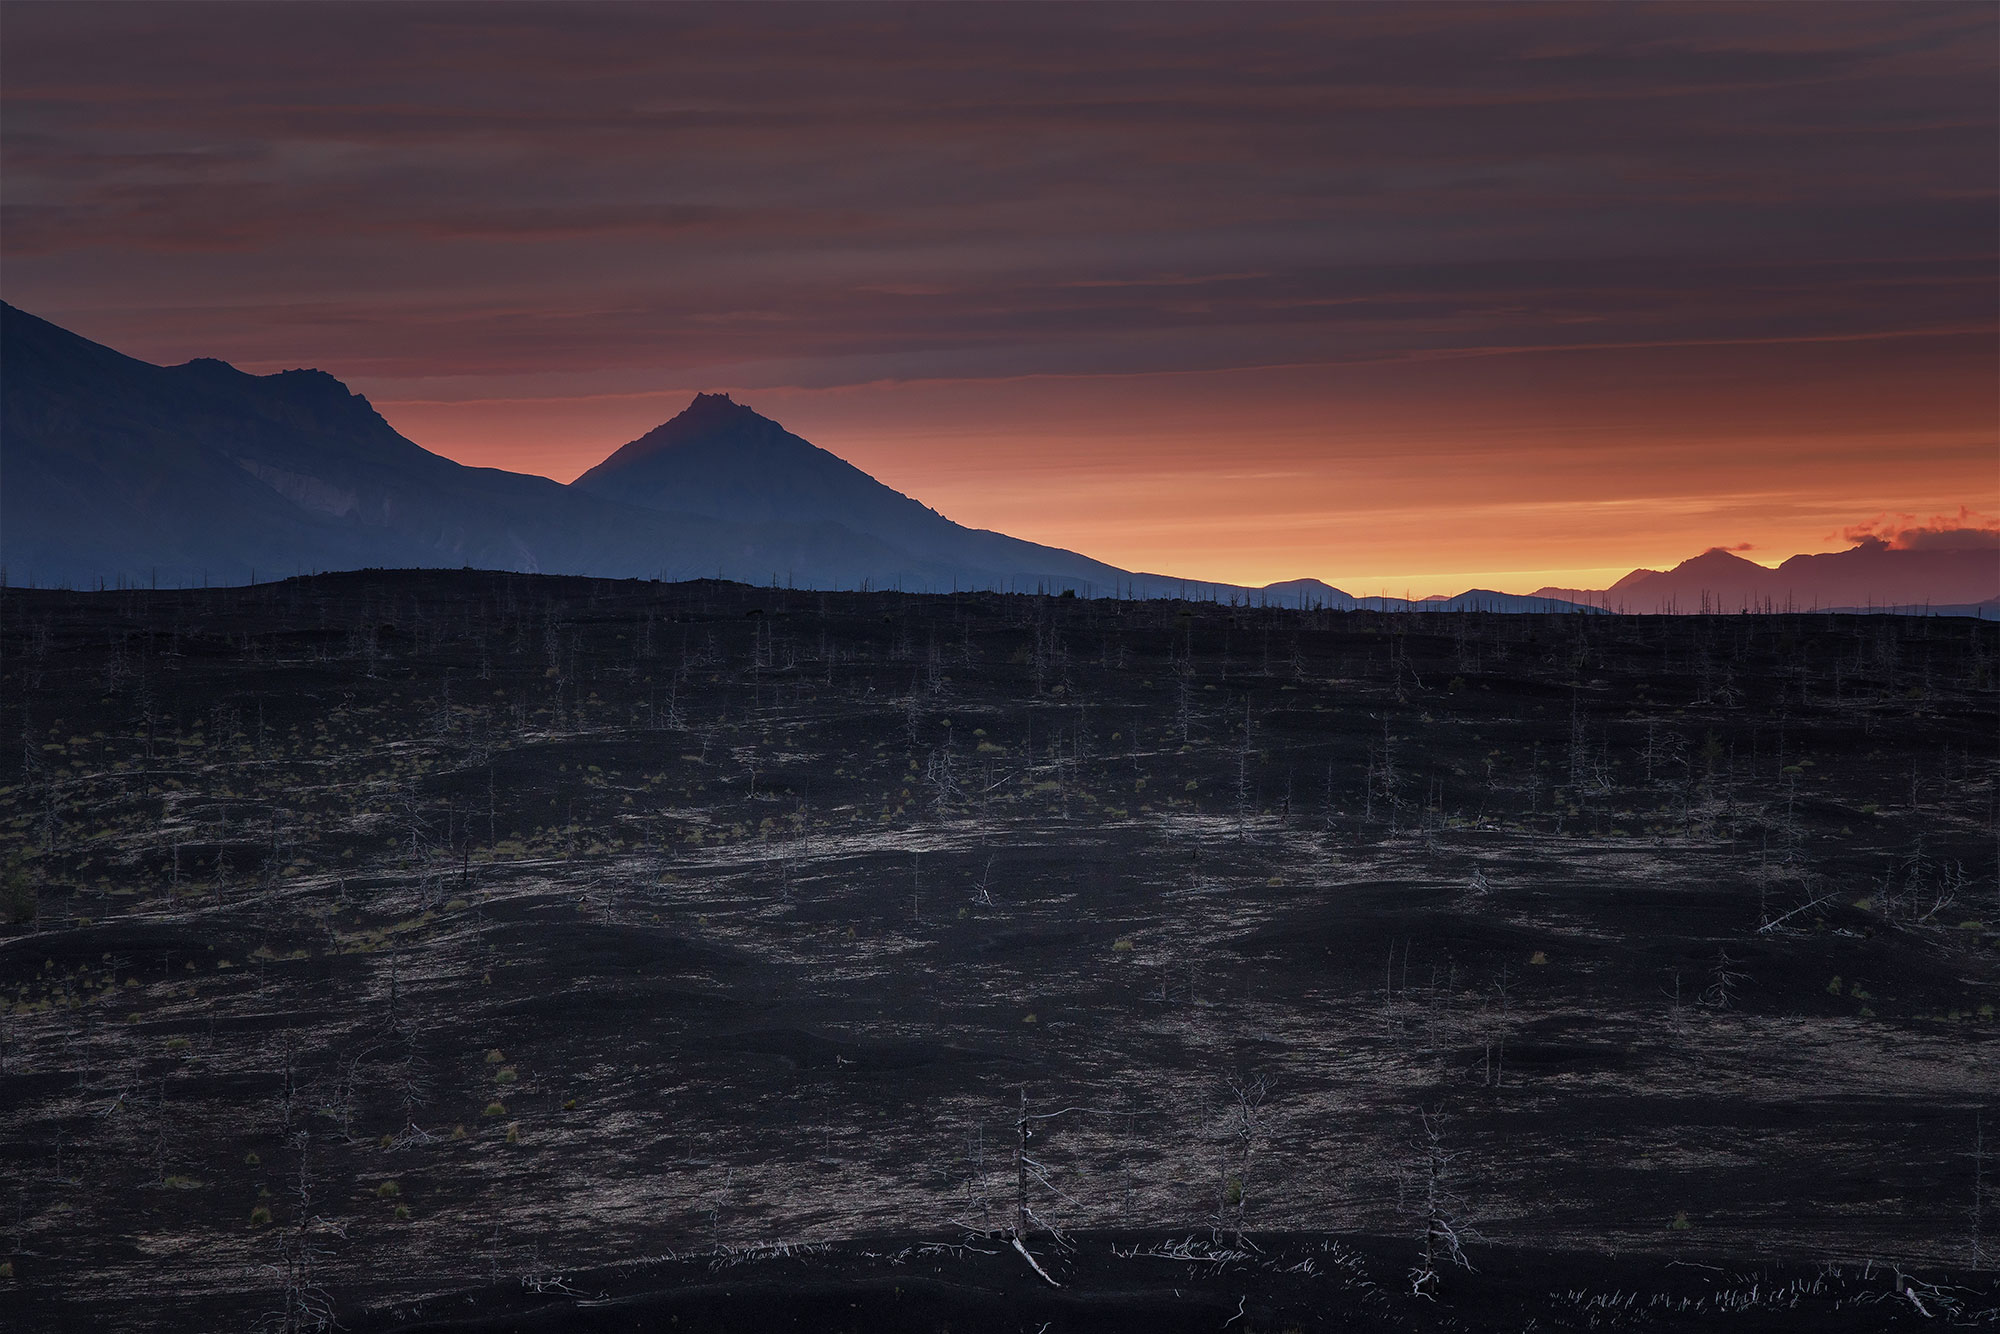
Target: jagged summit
{"x":710,"y":421}
{"x":722,"y":459}
{"x":714,"y":410}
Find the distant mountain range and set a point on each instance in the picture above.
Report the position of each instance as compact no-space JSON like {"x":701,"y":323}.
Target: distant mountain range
{"x":116,"y":471}
{"x":1873,"y":575}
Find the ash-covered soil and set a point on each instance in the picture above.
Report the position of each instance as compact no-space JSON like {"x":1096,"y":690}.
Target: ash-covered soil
{"x":458,"y":950}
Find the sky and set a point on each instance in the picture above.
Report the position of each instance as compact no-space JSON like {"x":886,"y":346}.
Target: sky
{"x":1410,"y":298}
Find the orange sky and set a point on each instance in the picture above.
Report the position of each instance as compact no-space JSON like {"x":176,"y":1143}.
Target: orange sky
{"x":1423,"y":478}
{"x":1405,"y":297}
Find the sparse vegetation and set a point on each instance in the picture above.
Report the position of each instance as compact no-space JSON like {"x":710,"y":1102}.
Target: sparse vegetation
{"x":789,"y":905}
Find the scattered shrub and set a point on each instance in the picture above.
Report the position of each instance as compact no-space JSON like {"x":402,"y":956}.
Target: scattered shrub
{"x":260,"y":1217}
{"x":19,"y":900}
{"x":388,"y":1190}
{"x":496,"y":1108}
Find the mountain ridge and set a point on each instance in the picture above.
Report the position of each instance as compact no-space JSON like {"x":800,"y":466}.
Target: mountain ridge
{"x":1871,"y":575}
{"x":116,"y":470}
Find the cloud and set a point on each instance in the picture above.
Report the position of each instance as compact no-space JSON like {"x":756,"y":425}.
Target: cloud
{"x":1966,"y":530}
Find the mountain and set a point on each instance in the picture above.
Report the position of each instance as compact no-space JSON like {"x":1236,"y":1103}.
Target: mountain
{"x":1305,"y":594}
{"x":1477,"y":599}
{"x":1873,"y":575}
{"x":115,"y":469}
{"x":1311,"y":593}
{"x":721,"y":460}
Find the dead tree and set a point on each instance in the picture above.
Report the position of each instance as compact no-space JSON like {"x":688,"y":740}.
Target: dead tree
{"x":1442,"y":1231}
{"x":1976,"y":1215}
{"x":306,"y":1306}
{"x":1024,"y":1165}
{"x":1246,"y":1132}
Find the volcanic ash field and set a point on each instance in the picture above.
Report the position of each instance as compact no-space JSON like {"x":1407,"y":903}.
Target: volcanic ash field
{"x":427,"y":950}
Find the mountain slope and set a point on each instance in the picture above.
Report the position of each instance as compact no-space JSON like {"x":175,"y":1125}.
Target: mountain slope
{"x":721,"y":460}
{"x":117,"y":469}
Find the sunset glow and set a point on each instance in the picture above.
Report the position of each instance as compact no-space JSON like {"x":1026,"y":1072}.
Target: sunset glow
{"x":1405,"y":299}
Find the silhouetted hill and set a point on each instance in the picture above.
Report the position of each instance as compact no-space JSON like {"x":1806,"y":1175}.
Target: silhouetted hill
{"x":1872,"y":575}
{"x":721,"y":460}
{"x":1311,"y":593}
{"x":119,"y":470}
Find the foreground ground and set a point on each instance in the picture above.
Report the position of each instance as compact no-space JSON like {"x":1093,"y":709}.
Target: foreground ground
{"x":499,"y":949}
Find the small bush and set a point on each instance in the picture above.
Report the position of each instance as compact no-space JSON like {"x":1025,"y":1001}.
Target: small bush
{"x":496,"y":1108}
{"x":260,"y":1217}
{"x":1680,"y":1223}
{"x":19,"y":900}
{"x":505,"y":1075}
{"x":1122,"y":945}
{"x":1538,"y":958}
{"x":402,"y":1213}
{"x":458,"y":1132}
{"x":251,"y":1159}
{"x":514,"y":1133}
{"x":495,"y":1058}
{"x":388,"y":1190}
{"x":180,"y":1183}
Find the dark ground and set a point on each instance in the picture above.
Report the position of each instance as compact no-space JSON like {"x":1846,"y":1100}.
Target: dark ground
{"x":402,"y":944}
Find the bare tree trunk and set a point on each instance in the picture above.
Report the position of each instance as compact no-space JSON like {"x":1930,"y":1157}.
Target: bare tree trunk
{"x":1021,"y":1170}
